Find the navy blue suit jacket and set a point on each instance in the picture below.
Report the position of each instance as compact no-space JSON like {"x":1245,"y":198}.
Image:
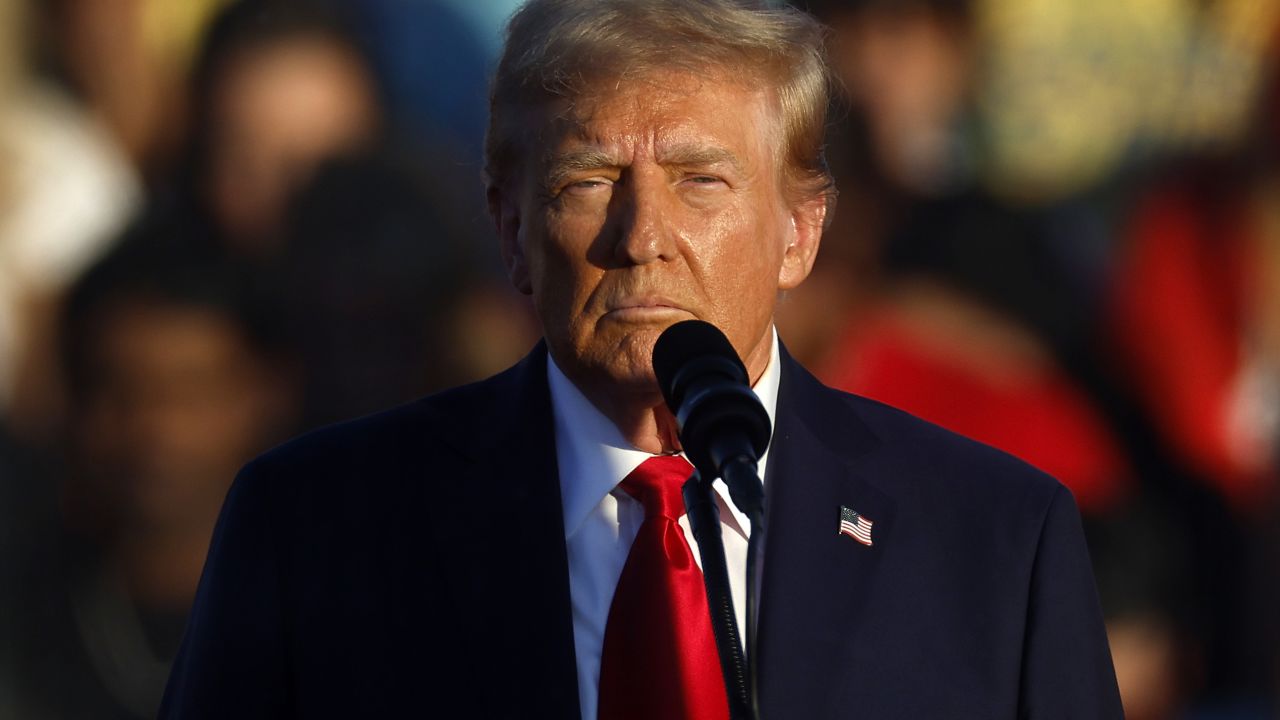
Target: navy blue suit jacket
{"x":412,"y":564}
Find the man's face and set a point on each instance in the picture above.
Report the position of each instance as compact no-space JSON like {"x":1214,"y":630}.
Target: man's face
{"x":648,"y":204}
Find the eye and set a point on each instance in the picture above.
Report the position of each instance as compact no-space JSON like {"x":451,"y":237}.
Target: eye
{"x":703,"y":181}
{"x":588,"y":186}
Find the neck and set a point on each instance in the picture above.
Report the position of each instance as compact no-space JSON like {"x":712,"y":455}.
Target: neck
{"x":641,"y":417}
{"x":758,"y":358}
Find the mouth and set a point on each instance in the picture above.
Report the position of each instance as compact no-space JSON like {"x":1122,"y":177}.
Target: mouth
{"x":645,"y":309}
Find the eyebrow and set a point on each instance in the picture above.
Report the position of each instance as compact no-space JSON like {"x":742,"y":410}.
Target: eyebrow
{"x":560,"y":166}
{"x":693,"y":155}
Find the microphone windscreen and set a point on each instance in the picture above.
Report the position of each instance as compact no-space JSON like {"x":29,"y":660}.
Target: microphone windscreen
{"x":684,"y":343}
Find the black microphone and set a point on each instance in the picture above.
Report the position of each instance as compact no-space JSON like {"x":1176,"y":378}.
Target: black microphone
{"x":722,"y":425}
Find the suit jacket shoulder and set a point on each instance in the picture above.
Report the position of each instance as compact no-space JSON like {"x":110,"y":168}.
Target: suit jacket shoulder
{"x":456,"y":425}
{"x":975,"y":598}
{"x":379,"y":567}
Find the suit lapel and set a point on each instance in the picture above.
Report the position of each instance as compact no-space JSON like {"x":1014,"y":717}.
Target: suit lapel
{"x":512,"y":580}
{"x":816,"y":581}
{"x":510,"y":575}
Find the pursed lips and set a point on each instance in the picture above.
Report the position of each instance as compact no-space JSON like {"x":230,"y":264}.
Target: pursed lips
{"x":640,"y":308}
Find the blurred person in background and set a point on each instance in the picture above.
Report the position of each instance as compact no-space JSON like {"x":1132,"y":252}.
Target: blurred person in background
{"x":432,"y":59}
{"x":369,"y":235}
{"x":279,"y":87}
{"x":971,"y":314}
{"x":127,"y":60}
{"x":66,"y":189}
{"x":1195,"y":311}
{"x":1194,"y":322}
{"x":176,"y":376}
{"x":290,"y":189}
{"x":381,"y":291}
{"x":901,"y":136}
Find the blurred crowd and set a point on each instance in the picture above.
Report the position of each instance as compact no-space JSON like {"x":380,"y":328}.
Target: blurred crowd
{"x":224,"y":222}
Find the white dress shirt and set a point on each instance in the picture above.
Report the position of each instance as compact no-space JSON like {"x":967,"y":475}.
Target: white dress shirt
{"x":601,"y":520}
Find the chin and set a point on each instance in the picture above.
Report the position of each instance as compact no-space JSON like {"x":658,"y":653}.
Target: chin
{"x":627,"y":373}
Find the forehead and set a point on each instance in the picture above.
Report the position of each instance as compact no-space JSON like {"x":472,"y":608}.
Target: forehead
{"x":678,"y":113}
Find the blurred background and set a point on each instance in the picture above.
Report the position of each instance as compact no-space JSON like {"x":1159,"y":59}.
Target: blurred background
{"x":223,"y":223}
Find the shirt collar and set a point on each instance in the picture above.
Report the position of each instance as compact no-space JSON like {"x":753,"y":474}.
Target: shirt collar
{"x":594,"y":457}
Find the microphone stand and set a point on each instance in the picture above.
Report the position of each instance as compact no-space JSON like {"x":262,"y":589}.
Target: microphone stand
{"x":704,"y":520}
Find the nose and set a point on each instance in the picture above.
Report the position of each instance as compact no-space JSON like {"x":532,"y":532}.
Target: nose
{"x":646,"y":233}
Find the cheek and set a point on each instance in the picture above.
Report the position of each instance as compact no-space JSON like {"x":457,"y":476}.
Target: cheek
{"x":741,"y":257}
{"x":561,"y":275}
{"x":742,"y":254}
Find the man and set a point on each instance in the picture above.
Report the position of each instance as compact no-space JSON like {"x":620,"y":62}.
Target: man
{"x":649,"y":161}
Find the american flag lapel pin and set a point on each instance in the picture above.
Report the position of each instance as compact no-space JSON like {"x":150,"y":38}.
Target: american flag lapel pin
{"x":855,"y":526}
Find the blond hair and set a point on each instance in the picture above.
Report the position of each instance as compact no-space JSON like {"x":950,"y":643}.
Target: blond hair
{"x":562,"y":49}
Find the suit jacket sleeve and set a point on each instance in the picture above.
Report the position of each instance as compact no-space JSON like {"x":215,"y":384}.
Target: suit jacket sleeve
{"x":1067,"y":671}
{"x":232,"y":661}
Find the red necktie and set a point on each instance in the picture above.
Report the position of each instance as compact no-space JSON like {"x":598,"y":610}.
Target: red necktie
{"x":659,"y":658}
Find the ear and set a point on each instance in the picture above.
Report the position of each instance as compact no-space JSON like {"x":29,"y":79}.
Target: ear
{"x":808,"y":218}
{"x":505,"y":211}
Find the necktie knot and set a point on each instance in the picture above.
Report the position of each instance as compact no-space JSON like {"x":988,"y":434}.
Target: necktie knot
{"x":657,"y":484}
